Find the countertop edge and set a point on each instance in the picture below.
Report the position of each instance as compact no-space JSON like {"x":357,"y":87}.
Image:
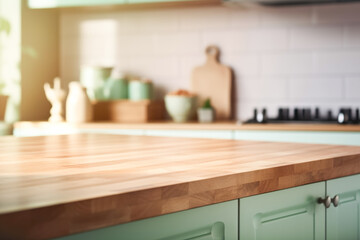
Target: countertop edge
{"x":99,"y":212}
{"x":228,"y":125}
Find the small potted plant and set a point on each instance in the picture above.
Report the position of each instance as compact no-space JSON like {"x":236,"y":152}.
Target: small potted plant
{"x":206,"y":113}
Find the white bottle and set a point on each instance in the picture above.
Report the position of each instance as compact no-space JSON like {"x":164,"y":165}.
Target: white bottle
{"x":78,"y":106}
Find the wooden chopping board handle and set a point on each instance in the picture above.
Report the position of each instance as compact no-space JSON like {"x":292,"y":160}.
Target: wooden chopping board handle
{"x":212,"y":53}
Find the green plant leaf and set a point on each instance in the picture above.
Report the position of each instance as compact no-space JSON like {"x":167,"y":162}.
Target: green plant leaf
{"x":5,"y":26}
{"x":207,"y":103}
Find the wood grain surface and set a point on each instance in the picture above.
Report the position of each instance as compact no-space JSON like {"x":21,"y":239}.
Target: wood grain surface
{"x":127,"y":111}
{"x":228,"y":125}
{"x":58,"y":185}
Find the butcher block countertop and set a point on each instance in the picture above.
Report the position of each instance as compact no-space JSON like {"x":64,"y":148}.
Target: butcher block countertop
{"x":58,"y":185}
{"x":167,"y":125}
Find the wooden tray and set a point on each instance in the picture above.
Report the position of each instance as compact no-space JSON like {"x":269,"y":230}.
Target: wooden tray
{"x":127,"y":111}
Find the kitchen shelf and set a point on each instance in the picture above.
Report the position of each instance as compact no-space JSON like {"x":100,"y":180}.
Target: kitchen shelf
{"x":166,"y":125}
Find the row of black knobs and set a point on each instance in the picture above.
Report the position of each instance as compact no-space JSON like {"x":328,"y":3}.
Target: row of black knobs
{"x":304,"y":114}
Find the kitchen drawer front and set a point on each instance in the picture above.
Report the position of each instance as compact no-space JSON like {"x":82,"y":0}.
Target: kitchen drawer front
{"x":343,"y":221}
{"x":339,"y":138}
{"x":286,"y":214}
{"x":92,"y":3}
{"x":71,"y":3}
{"x":213,"y":222}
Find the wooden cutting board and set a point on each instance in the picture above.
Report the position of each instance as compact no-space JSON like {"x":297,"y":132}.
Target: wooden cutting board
{"x":213,"y":80}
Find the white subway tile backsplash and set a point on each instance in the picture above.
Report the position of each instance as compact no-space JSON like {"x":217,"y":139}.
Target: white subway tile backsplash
{"x":188,"y":63}
{"x":98,"y":27}
{"x":352,"y":88}
{"x":286,"y":64}
{"x":315,"y":38}
{"x":352,"y":36}
{"x":310,"y":88}
{"x":134,"y":45}
{"x":262,"y":88}
{"x":261,"y":40}
{"x":177,"y":43}
{"x":225,"y":40}
{"x":244,"y":65}
{"x":149,"y":66}
{"x":280,"y":56}
{"x":338,"y":62}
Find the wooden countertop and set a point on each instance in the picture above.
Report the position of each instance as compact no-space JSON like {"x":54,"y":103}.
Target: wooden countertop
{"x":58,"y":185}
{"x":191,"y":126}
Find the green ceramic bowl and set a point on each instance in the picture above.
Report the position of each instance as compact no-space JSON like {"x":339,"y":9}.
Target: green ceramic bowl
{"x":180,"y":108}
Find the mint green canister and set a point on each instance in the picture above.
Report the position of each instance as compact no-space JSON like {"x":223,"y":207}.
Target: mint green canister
{"x":140,"y":90}
{"x":116,"y":87}
{"x":93,"y":78}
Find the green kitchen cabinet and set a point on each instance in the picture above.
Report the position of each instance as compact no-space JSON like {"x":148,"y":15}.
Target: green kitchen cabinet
{"x":90,"y":3}
{"x":214,"y":134}
{"x":315,"y":137}
{"x":71,"y":3}
{"x":214,"y":222}
{"x":156,"y":1}
{"x":343,"y":221}
{"x":286,"y":214}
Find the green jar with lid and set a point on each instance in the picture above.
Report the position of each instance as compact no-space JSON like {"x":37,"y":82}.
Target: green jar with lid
{"x":140,"y":90}
{"x":116,"y":87}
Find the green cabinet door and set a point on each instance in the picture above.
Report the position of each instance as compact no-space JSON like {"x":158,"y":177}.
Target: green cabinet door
{"x":214,"y":222}
{"x":216,"y":134}
{"x":339,"y":138}
{"x":343,"y":221}
{"x":71,"y":3}
{"x":286,"y":214}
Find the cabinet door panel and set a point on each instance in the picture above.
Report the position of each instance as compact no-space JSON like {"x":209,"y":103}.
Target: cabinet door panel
{"x":343,"y":221}
{"x":71,"y":3}
{"x":286,"y":214}
{"x":214,"y":222}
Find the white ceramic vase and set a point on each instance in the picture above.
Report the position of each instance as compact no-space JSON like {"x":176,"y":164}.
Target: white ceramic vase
{"x":78,"y":105}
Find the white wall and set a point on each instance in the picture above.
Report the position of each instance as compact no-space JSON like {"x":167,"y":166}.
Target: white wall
{"x":10,"y":52}
{"x":288,"y":56}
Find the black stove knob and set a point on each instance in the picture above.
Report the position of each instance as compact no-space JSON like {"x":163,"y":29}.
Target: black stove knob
{"x":298,"y":114}
{"x":283,"y":114}
{"x":344,"y":116}
{"x":280,"y":114}
{"x":261,"y":116}
{"x":348,"y":112}
{"x":329,"y":115}
{"x":317,"y":114}
{"x":357,"y":116}
{"x":255,"y":114}
{"x":286,"y":114}
{"x":307,"y":114}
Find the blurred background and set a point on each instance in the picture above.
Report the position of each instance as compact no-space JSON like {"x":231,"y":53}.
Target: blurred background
{"x":281,"y":56}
